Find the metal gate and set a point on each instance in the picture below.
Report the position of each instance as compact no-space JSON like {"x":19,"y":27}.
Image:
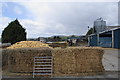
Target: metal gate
{"x":43,"y":66}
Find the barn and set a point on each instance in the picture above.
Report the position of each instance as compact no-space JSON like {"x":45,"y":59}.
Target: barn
{"x":108,"y":38}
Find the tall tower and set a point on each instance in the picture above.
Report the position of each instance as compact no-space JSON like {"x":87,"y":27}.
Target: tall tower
{"x":99,"y":25}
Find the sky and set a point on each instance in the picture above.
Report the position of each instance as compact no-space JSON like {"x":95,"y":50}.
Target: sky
{"x":49,"y":18}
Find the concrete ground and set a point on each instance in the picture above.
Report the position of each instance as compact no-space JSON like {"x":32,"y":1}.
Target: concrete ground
{"x":110,"y":59}
{"x":110,"y":74}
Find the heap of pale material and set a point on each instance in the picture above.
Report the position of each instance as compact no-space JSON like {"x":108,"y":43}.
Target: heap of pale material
{"x":28,"y":44}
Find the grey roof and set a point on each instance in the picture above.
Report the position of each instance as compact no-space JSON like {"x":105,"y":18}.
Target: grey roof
{"x":106,"y":31}
{"x":109,"y":30}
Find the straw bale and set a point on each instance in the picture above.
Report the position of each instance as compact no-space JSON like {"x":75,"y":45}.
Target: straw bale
{"x":59,"y":44}
{"x":21,"y":60}
{"x":63,"y":61}
{"x":89,"y":60}
{"x":77,"y":61}
{"x":5,"y":59}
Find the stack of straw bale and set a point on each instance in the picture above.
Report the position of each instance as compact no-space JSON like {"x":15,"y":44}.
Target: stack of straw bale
{"x":74,"y":61}
{"x":5,"y":55}
{"x":22,"y":60}
{"x":77,"y":61}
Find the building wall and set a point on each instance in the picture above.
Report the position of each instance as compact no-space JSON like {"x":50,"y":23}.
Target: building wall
{"x":105,"y":39}
{"x":117,"y":38}
{"x":93,"y":40}
{"x":105,"y":42}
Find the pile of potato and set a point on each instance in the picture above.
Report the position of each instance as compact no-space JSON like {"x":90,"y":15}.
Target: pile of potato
{"x":28,"y":44}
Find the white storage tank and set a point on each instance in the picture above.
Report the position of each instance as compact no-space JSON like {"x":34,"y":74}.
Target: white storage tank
{"x":99,"y":25}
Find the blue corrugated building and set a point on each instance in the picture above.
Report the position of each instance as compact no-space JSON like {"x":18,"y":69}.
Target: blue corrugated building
{"x":109,"y":38}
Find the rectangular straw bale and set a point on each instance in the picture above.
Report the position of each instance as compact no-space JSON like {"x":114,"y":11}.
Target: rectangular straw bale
{"x":77,"y":61}
{"x":21,"y":60}
{"x":89,"y":60}
{"x":59,"y":44}
{"x":64,"y":61}
{"x":5,"y":59}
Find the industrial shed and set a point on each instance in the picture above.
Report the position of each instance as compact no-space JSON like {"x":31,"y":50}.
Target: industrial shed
{"x":109,"y":38}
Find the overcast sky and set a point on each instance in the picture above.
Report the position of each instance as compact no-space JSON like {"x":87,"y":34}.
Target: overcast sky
{"x":57,"y":18}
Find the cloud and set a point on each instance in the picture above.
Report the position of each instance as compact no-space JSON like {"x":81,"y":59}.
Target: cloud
{"x":17,"y":10}
{"x":4,"y":21}
{"x":33,"y":28}
{"x":36,"y":29}
{"x":74,"y":16}
{"x":66,"y":18}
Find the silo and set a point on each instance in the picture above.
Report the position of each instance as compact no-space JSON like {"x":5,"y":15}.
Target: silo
{"x":99,"y":25}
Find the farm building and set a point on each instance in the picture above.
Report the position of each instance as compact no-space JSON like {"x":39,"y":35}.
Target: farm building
{"x":108,"y":38}
{"x":42,"y":39}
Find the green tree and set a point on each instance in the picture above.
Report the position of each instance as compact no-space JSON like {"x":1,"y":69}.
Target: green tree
{"x":90,"y":31}
{"x":13,"y":33}
{"x":57,"y":38}
{"x":73,"y":36}
{"x":94,"y":30}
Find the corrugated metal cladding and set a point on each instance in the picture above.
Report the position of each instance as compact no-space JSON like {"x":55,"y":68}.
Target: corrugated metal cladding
{"x":117,"y":38}
{"x":109,"y":39}
{"x":105,"y":39}
{"x":93,"y":40}
{"x":105,"y":42}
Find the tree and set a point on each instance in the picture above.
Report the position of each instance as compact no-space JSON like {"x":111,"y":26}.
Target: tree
{"x":57,"y":38}
{"x":94,"y":30}
{"x":90,"y":31}
{"x":73,"y":36}
{"x":13,"y":33}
